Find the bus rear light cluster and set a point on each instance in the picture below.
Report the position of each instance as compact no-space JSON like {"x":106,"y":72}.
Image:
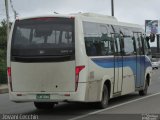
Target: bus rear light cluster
{"x":78,"y":70}
{"x":9,"y":77}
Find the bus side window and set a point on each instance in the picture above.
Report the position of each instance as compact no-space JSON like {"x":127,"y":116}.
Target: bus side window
{"x":142,"y":43}
{"x":118,"y":40}
{"x":107,"y":43}
{"x":128,"y":41}
{"x":141,"y":48}
{"x":134,"y":44}
{"x":92,"y":38}
{"x":128,"y":46}
{"x":117,"y":44}
{"x":90,"y":47}
{"x":146,"y":47}
{"x":138,"y":45}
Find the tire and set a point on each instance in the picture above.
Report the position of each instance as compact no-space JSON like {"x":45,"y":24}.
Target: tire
{"x":44,"y":105}
{"x":144,"y":91}
{"x":105,"y":98}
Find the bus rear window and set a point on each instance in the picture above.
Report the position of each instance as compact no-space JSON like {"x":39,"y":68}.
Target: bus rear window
{"x":43,"y":37}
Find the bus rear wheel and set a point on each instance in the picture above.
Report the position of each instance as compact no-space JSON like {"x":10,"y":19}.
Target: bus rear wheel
{"x":44,"y":105}
{"x":105,"y":97}
{"x":144,"y":91}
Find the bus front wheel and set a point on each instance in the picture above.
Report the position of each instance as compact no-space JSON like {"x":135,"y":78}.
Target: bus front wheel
{"x":144,"y":91}
{"x":44,"y":105}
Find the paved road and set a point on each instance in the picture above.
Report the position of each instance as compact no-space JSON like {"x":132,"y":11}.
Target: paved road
{"x":129,"y":104}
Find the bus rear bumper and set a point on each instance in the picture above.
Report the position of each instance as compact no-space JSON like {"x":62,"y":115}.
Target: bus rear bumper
{"x":32,"y":97}
{"x":78,"y":96}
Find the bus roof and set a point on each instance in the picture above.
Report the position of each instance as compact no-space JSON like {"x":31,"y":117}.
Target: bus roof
{"x":90,"y":17}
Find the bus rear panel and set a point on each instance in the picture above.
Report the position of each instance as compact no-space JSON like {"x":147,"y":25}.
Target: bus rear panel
{"x":43,"y":59}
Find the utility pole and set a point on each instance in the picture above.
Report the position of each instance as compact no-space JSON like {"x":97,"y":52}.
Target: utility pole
{"x":112,"y":7}
{"x":7,"y":17}
{"x":14,"y":11}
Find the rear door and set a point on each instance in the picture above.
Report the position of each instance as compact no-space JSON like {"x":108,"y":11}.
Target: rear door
{"x":43,"y":55}
{"x":139,"y":61}
{"x":118,"y":68}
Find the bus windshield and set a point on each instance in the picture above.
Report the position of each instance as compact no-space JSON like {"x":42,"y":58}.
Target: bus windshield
{"x":43,"y":37}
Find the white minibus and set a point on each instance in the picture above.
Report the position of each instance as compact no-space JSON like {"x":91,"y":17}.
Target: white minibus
{"x":82,"y":57}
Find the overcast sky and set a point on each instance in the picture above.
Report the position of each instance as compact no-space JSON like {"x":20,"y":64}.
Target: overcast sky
{"x":133,"y":11}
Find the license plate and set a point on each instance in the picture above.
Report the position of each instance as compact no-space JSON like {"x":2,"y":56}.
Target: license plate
{"x":43,"y":96}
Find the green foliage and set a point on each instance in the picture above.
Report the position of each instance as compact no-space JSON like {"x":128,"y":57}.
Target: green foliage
{"x":3,"y":35}
{"x":3,"y":28}
{"x":3,"y":73}
{"x":3,"y":48}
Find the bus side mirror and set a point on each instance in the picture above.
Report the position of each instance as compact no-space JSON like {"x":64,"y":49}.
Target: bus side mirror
{"x":152,"y":37}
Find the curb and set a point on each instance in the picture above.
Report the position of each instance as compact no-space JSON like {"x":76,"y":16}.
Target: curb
{"x":2,"y":91}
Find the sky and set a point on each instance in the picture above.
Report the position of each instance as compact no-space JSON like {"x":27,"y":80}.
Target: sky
{"x":132,"y":11}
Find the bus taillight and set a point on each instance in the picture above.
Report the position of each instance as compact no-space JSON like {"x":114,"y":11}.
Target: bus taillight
{"x":9,"y":77}
{"x":9,"y":71}
{"x":78,"y":70}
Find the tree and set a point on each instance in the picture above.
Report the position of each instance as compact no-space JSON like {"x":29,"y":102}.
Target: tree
{"x":3,"y":27}
{"x":3,"y":34}
{"x":3,"y":49}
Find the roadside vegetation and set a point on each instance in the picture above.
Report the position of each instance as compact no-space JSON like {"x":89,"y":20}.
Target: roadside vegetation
{"x":3,"y":51}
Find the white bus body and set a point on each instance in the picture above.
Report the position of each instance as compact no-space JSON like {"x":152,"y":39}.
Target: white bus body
{"x":50,"y":59}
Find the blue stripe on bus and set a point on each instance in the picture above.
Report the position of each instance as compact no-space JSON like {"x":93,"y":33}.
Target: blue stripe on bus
{"x":128,"y":61}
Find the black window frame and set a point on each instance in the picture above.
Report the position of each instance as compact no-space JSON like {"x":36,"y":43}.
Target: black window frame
{"x":44,"y":58}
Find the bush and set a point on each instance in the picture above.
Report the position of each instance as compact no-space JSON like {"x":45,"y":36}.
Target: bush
{"x":3,"y":73}
{"x":3,"y":47}
{"x":3,"y":42}
{"x":3,"y":67}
